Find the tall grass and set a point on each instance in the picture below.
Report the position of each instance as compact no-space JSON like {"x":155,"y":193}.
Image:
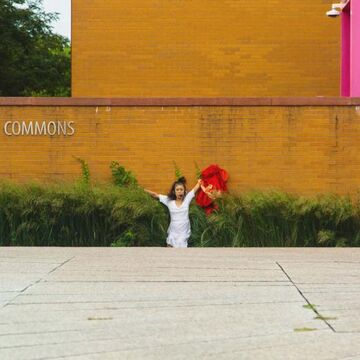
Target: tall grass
{"x":82,"y":214}
{"x":280,"y":219}
{"x":76,"y":215}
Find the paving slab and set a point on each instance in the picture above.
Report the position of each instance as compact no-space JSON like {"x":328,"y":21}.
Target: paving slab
{"x":161,"y":303}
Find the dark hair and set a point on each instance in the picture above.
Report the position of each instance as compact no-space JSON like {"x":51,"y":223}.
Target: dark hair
{"x":179,"y":181}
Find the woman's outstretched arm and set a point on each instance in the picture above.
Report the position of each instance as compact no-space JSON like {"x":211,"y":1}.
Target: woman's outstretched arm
{"x":197,"y":186}
{"x":153,"y":194}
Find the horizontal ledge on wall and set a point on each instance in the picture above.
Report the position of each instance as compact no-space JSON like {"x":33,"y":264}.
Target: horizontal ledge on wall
{"x":180,"y":101}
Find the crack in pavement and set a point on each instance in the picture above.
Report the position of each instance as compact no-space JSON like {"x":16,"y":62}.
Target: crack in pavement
{"x":139,"y":347}
{"x":191,"y":342}
{"x":304,"y":297}
{"x":36,"y":282}
{"x":136,"y":307}
{"x":41,"y":332}
{"x":166,"y":281}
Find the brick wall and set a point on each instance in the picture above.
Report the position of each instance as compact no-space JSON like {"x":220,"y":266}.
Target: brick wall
{"x":306,"y":149}
{"x":204,"y":48}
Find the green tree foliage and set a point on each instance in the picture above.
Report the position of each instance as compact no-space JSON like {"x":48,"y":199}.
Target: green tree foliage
{"x":33,"y":60}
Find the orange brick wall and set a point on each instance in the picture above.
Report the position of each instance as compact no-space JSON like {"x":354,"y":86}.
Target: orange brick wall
{"x":204,"y":48}
{"x":306,"y":149}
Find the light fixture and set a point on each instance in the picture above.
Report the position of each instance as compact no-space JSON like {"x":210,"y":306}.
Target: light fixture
{"x":335,"y":10}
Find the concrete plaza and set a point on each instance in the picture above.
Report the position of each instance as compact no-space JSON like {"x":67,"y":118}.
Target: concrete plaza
{"x":163,"y":303}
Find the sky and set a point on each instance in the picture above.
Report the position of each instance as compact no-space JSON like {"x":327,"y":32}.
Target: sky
{"x":63,"y":7}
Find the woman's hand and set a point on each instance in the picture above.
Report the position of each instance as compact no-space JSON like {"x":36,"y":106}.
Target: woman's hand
{"x":197,"y":186}
{"x":211,"y":192}
{"x":152,"y":193}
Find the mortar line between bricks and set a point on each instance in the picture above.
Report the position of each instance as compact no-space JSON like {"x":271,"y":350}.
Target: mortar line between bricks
{"x":37,"y":281}
{"x":304,"y":297}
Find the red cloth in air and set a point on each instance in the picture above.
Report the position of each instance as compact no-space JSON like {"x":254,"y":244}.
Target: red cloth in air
{"x":217,"y":177}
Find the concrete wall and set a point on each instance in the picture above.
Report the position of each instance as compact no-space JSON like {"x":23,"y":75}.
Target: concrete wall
{"x":297,"y":145}
{"x":206,"y":48}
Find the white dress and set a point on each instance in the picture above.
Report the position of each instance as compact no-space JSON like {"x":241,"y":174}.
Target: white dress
{"x":179,"y":228}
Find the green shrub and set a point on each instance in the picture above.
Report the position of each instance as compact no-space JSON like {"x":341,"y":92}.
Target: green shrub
{"x":94,"y":215}
{"x":120,"y":176}
{"x":85,"y":171}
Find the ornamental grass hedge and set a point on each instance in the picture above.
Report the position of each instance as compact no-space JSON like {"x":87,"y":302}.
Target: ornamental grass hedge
{"x":81,"y":214}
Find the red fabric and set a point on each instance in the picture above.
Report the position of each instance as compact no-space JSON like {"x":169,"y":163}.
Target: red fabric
{"x":217,"y":178}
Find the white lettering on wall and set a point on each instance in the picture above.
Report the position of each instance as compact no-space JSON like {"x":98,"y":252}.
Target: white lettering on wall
{"x":6,"y":128}
{"x":71,"y":127}
{"x":15,"y":128}
{"x":40,"y":130}
{"x":51,"y":128}
{"x":26,"y":129}
{"x":36,"y":128}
